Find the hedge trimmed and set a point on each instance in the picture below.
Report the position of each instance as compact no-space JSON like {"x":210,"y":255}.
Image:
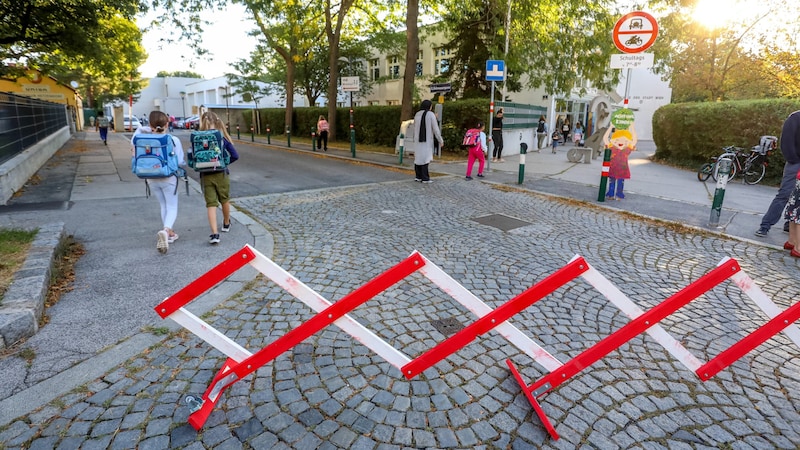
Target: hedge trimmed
{"x":378,"y":125}
{"x":686,"y":133}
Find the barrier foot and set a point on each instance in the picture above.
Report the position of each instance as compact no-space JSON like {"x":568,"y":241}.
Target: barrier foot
{"x":535,"y":403}
{"x":199,"y":416}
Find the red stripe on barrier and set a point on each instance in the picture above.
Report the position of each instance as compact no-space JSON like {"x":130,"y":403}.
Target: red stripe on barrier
{"x":535,"y":403}
{"x":753,"y":340}
{"x":205,"y":282}
{"x":199,"y":417}
{"x":635,"y":327}
{"x":496,"y":317}
{"x":331,"y":314}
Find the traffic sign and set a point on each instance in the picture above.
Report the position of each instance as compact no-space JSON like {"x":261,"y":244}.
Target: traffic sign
{"x":495,"y":70}
{"x":351,"y":84}
{"x":632,"y":61}
{"x":440,"y":87}
{"x":635,"y":32}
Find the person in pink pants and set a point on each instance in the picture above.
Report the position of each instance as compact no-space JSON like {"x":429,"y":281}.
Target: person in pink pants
{"x":478,"y":152}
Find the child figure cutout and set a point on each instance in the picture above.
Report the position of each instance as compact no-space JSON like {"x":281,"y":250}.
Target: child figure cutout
{"x":621,"y":143}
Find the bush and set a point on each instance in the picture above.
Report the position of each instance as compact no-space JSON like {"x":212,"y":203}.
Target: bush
{"x":377,"y":125}
{"x":689,"y":134}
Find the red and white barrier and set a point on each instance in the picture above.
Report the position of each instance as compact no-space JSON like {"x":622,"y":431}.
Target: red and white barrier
{"x":242,"y":362}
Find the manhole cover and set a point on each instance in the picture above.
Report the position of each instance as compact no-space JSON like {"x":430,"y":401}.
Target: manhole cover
{"x":447,"y":326}
{"x":501,"y":222}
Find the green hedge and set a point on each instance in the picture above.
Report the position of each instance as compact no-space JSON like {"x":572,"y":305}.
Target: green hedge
{"x":691,"y":133}
{"x":378,"y":125}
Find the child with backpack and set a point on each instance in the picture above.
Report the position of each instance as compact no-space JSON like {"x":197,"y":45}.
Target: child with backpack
{"x":475,"y":141}
{"x":165,"y":187}
{"x":216,"y":183}
{"x":555,"y":138}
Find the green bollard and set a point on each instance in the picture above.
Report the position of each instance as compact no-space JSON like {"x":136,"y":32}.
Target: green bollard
{"x":314,"y":138}
{"x":238,"y":135}
{"x":252,"y":134}
{"x":269,"y":141}
{"x":288,"y":137}
{"x":719,"y":194}
{"x":601,"y":196}
{"x":353,"y":141}
{"x":523,"y":149}
{"x":402,"y":142}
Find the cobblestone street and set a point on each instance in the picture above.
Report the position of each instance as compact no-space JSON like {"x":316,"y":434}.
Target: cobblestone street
{"x":333,"y":392}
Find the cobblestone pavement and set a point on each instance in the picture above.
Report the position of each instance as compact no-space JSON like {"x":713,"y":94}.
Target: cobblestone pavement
{"x":332,"y":392}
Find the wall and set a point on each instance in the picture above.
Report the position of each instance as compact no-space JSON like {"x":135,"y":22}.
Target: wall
{"x":15,"y":172}
{"x":49,"y":89}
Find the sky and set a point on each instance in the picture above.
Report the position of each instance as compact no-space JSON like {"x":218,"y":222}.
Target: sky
{"x":226,"y":40}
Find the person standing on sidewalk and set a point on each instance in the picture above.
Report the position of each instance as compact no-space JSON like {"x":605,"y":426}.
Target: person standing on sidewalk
{"x":217,"y":185}
{"x":497,"y":136}
{"x":541,"y":133}
{"x":793,"y":219}
{"x":477,"y":151}
{"x":165,"y":189}
{"x":102,"y":126}
{"x":427,"y":129}
{"x":322,"y":129}
{"x":790,"y":147}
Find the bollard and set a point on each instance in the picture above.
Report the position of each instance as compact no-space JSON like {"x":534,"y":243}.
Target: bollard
{"x":719,"y":193}
{"x":314,"y":138}
{"x":238,"y":135}
{"x":402,"y":142}
{"x":601,"y":196}
{"x":288,"y":137}
{"x":523,"y":149}
{"x":253,"y":135}
{"x":352,"y":140}
{"x":269,"y":141}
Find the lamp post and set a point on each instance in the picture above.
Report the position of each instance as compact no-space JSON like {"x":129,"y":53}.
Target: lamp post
{"x":227,"y":111}
{"x":183,"y":104}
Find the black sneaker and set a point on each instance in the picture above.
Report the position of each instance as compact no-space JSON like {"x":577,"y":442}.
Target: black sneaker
{"x":786,"y":227}
{"x":467,"y":178}
{"x":762,"y":232}
{"x":480,"y":175}
{"x":213,"y":239}
{"x":226,"y":227}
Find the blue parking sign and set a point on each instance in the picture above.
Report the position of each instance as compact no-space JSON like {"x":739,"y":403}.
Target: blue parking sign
{"x":495,"y":70}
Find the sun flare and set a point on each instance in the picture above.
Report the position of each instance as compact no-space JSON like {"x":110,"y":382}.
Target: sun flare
{"x":718,"y":13}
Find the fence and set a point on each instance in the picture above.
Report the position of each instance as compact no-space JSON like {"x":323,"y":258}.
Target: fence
{"x":25,"y":121}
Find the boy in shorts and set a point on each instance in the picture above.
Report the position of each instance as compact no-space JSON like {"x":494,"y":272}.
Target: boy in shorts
{"x":217,"y":185}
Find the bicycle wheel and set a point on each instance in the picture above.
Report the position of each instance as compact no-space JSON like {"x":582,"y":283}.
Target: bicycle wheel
{"x":754,"y":173}
{"x":715,"y":172}
{"x":705,"y":171}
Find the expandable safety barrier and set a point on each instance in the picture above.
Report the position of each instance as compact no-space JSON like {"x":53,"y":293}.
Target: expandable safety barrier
{"x":241,"y":362}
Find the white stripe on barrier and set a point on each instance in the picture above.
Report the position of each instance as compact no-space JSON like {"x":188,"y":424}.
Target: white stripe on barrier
{"x":630,"y":309}
{"x":209,"y":334}
{"x":758,"y":297}
{"x":480,"y":309}
{"x":318,"y":303}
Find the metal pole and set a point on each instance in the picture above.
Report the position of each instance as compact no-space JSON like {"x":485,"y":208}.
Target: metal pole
{"x":313,"y":138}
{"x":352,"y":129}
{"x":238,"y":135}
{"x":601,"y":195}
{"x":288,"y":137}
{"x":489,"y":126}
{"x":523,"y":148}
{"x":719,"y":194}
{"x":402,"y":142}
{"x":269,"y":141}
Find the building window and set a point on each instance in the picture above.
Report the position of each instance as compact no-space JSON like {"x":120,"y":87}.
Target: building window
{"x":394,"y":67}
{"x":393,"y":102}
{"x":441,"y":64}
{"x":374,"y":69}
{"x":418,"y":70}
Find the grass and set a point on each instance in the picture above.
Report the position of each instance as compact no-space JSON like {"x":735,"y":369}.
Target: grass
{"x":14,"y":245}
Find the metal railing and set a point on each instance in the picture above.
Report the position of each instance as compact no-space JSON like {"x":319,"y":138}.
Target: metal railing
{"x":25,"y":121}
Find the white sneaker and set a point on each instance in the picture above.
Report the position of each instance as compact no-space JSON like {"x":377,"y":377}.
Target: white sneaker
{"x":225,"y":228}
{"x":173,"y":238}
{"x":163,"y":241}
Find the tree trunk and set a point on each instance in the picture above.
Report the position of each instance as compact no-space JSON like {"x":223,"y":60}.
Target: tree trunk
{"x":412,"y":50}
{"x":333,"y":88}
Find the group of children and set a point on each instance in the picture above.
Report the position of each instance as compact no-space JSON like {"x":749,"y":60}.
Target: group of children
{"x":215,"y":184}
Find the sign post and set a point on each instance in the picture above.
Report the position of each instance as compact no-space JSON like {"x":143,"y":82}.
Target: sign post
{"x":351,"y":84}
{"x":495,"y":71}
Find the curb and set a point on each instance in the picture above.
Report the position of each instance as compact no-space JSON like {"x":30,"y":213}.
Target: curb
{"x":23,"y":303}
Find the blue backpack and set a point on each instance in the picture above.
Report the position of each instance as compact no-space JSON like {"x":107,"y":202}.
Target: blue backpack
{"x":154,"y":157}
{"x":208,"y":153}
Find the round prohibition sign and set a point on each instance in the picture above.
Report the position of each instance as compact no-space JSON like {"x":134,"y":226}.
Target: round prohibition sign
{"x":635,"y":32}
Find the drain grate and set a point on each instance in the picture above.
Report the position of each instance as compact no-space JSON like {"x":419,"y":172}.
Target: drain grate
{"x":501,"y":222}
{"x":447,"y":326}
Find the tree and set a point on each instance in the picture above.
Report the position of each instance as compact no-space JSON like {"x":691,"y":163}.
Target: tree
{"x":34,"y":30}
{"x":178,"y":74}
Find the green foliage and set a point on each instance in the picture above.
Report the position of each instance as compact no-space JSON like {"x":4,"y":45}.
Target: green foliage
{"x":378,"y":125}
{"x":178,"y":74}
{"x":691,"y":133}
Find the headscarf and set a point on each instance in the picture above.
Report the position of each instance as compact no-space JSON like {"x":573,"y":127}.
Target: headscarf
{"x":423,"y":129}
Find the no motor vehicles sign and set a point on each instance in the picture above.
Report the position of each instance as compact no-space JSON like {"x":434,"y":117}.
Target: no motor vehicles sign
{"x":635,"y":32}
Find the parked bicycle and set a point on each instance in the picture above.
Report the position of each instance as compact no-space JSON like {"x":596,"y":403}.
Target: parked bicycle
{"x":751,"y":165}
